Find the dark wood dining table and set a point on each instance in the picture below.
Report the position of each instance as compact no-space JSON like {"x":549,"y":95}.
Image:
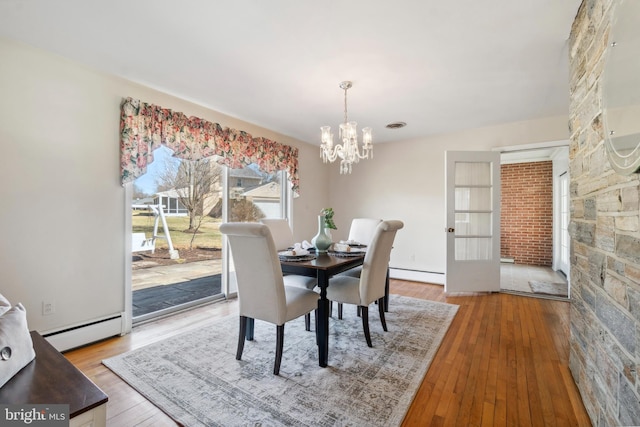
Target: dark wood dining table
{"x":322,"y":267}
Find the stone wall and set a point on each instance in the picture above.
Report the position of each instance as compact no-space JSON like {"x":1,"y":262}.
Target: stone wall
{"x":526,"y":212}
{"x":605,"y":241}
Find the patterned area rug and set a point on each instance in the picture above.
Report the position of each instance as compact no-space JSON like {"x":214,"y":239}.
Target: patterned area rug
{"x":549,"y":288}
{"x":196,"y":380}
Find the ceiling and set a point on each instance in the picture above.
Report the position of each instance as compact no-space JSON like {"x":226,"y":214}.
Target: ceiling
{"x":438,"y":66}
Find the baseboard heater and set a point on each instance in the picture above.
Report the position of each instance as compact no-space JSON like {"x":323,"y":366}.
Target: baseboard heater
{"x":416,"y":275}
{"x":82,"y":334}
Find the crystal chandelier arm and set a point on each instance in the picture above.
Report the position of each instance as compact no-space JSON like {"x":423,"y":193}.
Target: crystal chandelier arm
{"x":367,"y":147}
{"x":331,"y":155}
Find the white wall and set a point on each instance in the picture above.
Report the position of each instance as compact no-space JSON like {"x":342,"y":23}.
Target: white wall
{"x":405,"y":181}
{"x":62,"y":218}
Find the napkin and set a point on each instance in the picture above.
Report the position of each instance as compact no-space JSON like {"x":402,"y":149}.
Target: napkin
{"x":341,"y":247}
{"x":306,"y":245}
{"x":297,"y":250}
{"x":349,"y":242}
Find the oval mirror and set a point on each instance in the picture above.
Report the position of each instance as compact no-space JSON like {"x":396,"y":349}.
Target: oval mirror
{"x":621,"y":88}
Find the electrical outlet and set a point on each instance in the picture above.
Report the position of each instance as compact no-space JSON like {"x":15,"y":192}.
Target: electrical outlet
{"x":48,"y":307}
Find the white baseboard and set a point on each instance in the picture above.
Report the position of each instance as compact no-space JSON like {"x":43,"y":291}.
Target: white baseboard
{"x":417,"y":276}
{"x":82,"y":334}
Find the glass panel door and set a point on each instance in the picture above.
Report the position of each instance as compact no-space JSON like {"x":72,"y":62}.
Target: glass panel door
{"x":251,"y":195}
{"x":564,"y":224}
{"x":176,"y":245}
{"x":473,"y":221}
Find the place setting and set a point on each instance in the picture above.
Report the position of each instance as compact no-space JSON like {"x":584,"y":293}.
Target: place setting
{"x":299,"y":252}
{"x":348,"y":248}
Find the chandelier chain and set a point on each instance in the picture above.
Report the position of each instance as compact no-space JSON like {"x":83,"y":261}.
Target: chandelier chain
{"x":345,"y":104}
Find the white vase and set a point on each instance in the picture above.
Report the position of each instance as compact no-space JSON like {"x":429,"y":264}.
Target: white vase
{"x":321,"y":241}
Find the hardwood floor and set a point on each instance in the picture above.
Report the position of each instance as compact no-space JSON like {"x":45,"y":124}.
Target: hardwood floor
{"x":503,"y":362}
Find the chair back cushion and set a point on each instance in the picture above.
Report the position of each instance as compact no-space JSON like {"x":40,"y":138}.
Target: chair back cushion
{"x":363,"y":229}
{"x":280,"y":231}
{"x":261,"y":291}
{"x":376,"y":262}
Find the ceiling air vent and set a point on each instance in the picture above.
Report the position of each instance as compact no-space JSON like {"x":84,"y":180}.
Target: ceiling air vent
{"x":396,"y":125}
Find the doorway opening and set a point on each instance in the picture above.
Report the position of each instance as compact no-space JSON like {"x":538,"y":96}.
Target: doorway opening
{"x":534,"y":222}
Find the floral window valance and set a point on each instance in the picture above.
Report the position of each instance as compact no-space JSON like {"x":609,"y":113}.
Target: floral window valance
{"x":144,"y":127}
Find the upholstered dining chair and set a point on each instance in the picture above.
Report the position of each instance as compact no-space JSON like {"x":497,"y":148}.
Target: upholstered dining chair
{"x":280,"y":231}
{"x":263,"y":292}
{"x":283,"y":239}
{"x":361,"y":231}
{"x":370,"y":287}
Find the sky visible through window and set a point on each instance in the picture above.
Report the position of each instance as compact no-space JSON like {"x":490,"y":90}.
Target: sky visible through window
{"x":147,"y":182}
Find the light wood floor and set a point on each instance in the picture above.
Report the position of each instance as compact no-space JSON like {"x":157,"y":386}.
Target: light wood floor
{"x":503,"y":362}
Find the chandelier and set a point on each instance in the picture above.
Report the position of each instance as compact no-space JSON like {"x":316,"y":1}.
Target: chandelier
{"x":349,"y":151}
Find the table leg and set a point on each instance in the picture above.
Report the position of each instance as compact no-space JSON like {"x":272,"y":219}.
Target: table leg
{"x":249,"y":332}
{"x":322,"y":330}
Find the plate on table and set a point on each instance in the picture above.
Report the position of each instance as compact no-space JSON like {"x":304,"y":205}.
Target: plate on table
{"x":291,"y":256}
{"x":297,"y":258}
{"x":311,"y":250}
{"x":352,"y":253}
{"x":352,"y":244}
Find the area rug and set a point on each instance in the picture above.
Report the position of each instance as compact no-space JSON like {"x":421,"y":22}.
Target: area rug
{"x":549,"y":288}
{"x":197,"y":381}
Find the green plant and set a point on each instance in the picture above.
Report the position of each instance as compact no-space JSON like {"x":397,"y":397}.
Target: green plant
{"x":328,"y":218}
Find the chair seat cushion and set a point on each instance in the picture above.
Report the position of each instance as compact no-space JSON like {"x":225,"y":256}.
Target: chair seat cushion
{"x":300,"y":301}
{"x":300,"y":281}
{"x":353,"y":272}
{"x":345,"y":289}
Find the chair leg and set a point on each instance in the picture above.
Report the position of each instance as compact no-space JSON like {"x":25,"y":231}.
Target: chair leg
{"x":386,"y":292}
{"x":279,"y":346}
{"x":381,"y":310}
{"x":358,"y":311}
{"x":243,"y":331}
{"x":307,"y":321}
{"x":340,"y":310}
{"x":365,"y":324}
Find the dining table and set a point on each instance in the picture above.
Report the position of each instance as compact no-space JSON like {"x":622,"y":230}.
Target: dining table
{"x":322,"y":267}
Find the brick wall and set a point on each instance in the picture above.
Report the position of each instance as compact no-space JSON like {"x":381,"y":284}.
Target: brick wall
{"x":526,"y":223}
{"x":605,"y":241}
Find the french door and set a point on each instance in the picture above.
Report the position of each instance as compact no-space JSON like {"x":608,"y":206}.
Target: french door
{"x":472,"y":221}
{"x":563,"y":223}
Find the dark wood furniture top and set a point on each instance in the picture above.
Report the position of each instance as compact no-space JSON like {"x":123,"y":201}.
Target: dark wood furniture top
{"x":325,"y":262}
{"x":51,"y":379}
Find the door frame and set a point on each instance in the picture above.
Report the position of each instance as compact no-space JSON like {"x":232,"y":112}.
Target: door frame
{"x":558,"y":153}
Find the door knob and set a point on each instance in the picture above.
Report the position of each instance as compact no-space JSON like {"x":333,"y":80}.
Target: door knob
{"x":450,"y":230}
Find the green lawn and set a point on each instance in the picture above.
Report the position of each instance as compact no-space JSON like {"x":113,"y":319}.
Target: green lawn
{"x":208,"y":235}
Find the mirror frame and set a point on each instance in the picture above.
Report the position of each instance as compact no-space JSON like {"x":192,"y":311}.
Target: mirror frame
{"x":621,"y":36}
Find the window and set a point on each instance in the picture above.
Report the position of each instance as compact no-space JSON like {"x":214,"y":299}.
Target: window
{"x":194,"y":200}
